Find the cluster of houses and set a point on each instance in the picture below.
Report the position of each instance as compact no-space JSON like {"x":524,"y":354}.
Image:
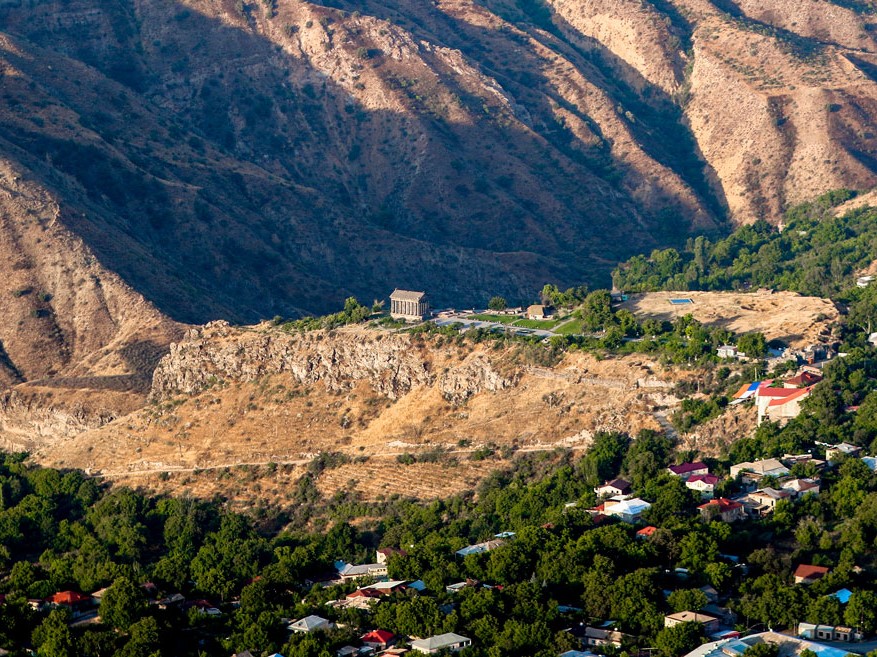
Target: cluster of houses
{"x":84,"y":607}
{"x":764,"y":482}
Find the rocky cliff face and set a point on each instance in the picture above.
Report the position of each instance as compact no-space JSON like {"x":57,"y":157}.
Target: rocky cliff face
{"x":217,"y":353}
{"x":391,"y":364}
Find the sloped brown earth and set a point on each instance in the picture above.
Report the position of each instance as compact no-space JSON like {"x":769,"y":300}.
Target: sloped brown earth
{"x":226,"y":397}
{"x":243,"y":159}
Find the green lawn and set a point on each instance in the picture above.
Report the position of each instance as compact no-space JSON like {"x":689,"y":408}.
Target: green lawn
{"x":502,"y":319}
{"x":573,"y":327}
{"x":545,"y":325}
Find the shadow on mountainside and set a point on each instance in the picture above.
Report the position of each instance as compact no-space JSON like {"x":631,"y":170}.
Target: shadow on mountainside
{"x":221,"y":176}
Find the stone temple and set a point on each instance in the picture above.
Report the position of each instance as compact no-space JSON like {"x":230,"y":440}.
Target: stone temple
{"x":409,"y":306}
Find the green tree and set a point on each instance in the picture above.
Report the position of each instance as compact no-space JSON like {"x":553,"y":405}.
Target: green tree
{"x":861,"y":611}
{"x":687,"y":600}
{"x":679,"y":639}
{"x":497,"y":303}
{"x":52,"y":637}
{"x":754,"y":345}
{"x":122,"y":604}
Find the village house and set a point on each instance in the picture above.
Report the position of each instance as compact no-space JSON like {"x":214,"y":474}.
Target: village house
{"x":629,"y":511}
{"x":807,"y":574}
{"x":480,"y":548}
{"x":538,"y":312}
{"x":801,"y":487}
{"x":842,"y":450}
{"x":348,"y":571}
{"x":310,"y":624}
{"x":78,"y":603}
{"x":435,"y":644}
{"x":728,"y":351}
{"x":409,"y":306}
{"x":722,"y":508}
{"x":705,"y":484}
{"x":378,"y":639}
{"x":710,"y":623}
{"x":828,"y":632}
{"x":762,"y":502}
{"x":613,"y":488}
{"x":688,"y":470}
{"x":753,"y":471}
{"x":384,"y":554}
{"x":646,"y":532}
{"x":597,"y":637}
{"x":802,"y":380}
{"x":780,"y":404}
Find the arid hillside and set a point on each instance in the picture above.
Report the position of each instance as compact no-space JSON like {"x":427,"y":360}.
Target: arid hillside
{"x":228,"y":397}
{"x":241,"y":159}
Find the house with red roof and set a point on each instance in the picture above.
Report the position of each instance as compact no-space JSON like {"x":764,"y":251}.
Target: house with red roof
{"x":802,"y":380}
{"x":722,"y":508}
{"x":78,"y":603}
{"x":688,"y":470}
{"x":378,"y":639}
{"x":646,"y":532}
{"x":780,"y":404}
{"x":705,"y":484}
{"x":807,"y":574}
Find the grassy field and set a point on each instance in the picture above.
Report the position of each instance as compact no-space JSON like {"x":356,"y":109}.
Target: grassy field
{"x":545,"y":325}
{"x":573,"y":327}
{"x":501,"y":319}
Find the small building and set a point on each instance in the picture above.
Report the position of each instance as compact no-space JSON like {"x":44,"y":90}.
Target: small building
{"x":384,"y":554}
{"x":864,"y":281}
{"x":837,"y":452}
{"x":755,"y":470}
{"x":347,"y":571}
{"x":801,"y":487}
{"x":409,"y":306}
{"x":78,"y":603}
{"x":780,"y":404}
{"x":705,"y":484}
{"x":480,"y":548}
{"x":727,"y":351}
{"x":378,"y":639}
{"x":646,"y":532}
{"x":723,"y":509}
{"x":310,"y":624}
{"x":613,"y":488}
{"x":597,"y":636}
{"x":807,"y":574}
{"x":802,"y":380}
{"x":828,"y":633}
{"x":688,"y":470}
{"x":764,"y":501}
{"x":710,"y":623}
{"x":435,"y":644}
{"x":538,"y":311}
{"x":629,"y":511}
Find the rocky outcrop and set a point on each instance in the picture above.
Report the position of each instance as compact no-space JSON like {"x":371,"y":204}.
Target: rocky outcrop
{"x":475,"y":374}
{"x":217,"y":353}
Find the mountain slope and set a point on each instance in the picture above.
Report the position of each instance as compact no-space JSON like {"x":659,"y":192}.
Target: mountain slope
{"x":243,"y":159}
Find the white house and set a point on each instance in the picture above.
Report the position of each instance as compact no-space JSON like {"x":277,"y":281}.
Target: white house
{"x":629,"y":511}
{"x":435,"y":644}
{"x":309,"y":624}
{"x":727,"y":351}
{"x":349,"y":571}
{"x":705,"y":484}
{"x":613,"y":488}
